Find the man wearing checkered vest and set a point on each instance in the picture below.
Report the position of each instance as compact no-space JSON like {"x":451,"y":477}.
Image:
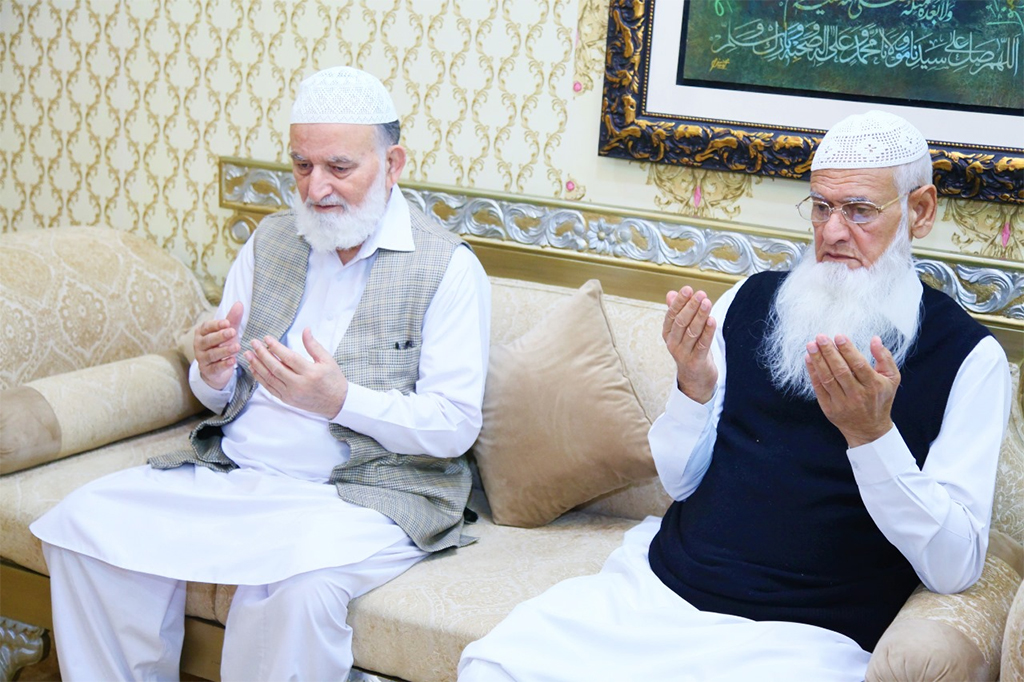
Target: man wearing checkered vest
{"x":345,"y":368}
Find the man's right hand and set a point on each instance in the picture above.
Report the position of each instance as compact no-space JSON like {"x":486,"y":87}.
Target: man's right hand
{"x":216,"y":344}
{"x":688,"y":332}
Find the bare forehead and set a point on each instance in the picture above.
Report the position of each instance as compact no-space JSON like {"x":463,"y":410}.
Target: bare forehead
{"x":313,"y":141}
{"x":846,"y":184}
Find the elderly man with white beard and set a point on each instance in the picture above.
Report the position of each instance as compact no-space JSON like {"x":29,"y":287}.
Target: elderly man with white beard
{"x":831,"y":442}
{"x":346,"y":369}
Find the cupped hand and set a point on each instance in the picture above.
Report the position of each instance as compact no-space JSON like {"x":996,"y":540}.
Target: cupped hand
{"x":688,"y":331}
{"x":216,"y":344}
{"x":855,"y":396}
{"x":319,"y":386}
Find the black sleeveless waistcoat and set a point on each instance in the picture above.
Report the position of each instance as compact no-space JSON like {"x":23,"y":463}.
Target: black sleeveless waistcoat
{"x":777,"y":530}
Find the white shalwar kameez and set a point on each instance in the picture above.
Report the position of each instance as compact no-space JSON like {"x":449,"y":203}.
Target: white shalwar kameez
{"x":625,"y":624}
{"x":120,"y":548}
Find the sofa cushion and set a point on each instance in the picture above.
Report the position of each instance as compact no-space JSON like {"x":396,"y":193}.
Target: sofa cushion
{"x":75,"y":297}
{"x":636,"y":328}
{"x":416,"y":626}
{"x":561,"y":421}
{"x":29,"y":494}
{"x":62,"y":415}
{"x":1008,"y":502}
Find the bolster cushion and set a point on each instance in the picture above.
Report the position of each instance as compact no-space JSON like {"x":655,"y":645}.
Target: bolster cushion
{"x":62,"y":415}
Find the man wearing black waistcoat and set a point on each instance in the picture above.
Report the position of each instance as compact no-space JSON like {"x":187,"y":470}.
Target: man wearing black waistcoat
{"x":832,"y":441}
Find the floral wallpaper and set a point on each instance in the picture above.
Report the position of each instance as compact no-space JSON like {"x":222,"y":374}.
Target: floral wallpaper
{"x":114,"y":112}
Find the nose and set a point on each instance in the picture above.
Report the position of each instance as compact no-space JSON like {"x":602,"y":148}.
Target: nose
{"x":319,"y":185}
{"x":835,"y":229}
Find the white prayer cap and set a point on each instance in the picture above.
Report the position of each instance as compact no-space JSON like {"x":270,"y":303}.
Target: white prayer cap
{"x":875,"y":139}
{"x":343,"y":95}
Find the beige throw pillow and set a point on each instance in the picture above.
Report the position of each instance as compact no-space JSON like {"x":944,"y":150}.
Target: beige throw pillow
{"x":561,"y":421}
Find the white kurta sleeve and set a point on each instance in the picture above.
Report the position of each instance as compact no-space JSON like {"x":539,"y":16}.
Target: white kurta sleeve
{"x":683,"y":437}
{"x":442,"y":417}
{"x":237,"y":287}
{"x":938,"y":515}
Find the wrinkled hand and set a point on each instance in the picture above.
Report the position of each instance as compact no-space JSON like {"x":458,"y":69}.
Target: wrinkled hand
{"x":854,"y":396}
{"x":688,"y":331}
{"x":216,"y":344}
{"x":319,"y":386}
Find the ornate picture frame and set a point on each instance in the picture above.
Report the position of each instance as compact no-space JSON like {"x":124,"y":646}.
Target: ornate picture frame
{"x":630,"y":130}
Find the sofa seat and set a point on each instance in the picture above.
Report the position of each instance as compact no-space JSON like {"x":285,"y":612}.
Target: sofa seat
{"x":440,"y":606}
{"x":416,"y":626}
{"x":30,"y":493}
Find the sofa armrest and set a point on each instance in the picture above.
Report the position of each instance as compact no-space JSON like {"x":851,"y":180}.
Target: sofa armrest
{"x":52,"y":418}
{"x":1012,"y":668}
{"x":953,"y":637}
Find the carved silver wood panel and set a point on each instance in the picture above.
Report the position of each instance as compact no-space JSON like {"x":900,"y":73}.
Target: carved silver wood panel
{"x":714,"y":245}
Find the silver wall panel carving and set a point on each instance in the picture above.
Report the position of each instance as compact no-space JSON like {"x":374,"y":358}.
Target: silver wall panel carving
{"x":985,"y":290}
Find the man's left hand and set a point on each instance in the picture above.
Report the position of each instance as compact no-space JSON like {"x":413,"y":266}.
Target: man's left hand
{"x":319,"y":386}
{"x":854,"y":396}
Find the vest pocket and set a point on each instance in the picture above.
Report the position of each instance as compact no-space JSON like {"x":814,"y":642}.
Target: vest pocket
{"x":394,"y":368}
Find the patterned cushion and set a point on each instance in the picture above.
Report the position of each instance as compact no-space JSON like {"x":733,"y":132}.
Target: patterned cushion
{"x":1008,"y":507}
{"x":75,"y":297}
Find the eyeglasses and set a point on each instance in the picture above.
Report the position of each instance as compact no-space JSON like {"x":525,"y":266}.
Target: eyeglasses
{"x":857,"y":212}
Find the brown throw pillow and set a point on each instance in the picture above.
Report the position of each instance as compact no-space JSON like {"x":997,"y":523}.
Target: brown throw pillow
{"x":561,"y":421}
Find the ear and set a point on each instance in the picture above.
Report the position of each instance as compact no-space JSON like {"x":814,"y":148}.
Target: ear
{"x":923,"y":205}
{"x":395,"y":162}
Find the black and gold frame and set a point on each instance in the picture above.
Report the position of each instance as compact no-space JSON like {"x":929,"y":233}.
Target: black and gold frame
{"x":630,"y":131}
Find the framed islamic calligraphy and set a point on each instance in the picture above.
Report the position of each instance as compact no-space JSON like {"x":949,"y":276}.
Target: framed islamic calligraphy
{"x":751,"y":85}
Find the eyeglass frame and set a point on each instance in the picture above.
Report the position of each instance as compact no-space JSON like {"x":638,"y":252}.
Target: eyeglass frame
{"x":832,"y":209}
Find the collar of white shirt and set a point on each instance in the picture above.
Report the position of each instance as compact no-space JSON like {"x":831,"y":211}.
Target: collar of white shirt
{"x":394,"y":232}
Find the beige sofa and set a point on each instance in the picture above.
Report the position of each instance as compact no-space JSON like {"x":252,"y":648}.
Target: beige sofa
{"x":93,"y":382}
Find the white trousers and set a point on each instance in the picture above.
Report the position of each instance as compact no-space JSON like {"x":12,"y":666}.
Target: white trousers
{"x":110,"y":623}
{"x":625,"y":624}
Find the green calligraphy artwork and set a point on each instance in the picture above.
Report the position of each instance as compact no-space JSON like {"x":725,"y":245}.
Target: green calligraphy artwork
{"x":952,"y":54}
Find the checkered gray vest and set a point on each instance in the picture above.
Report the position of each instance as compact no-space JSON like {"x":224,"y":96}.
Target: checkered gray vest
{"x":424,"y":495}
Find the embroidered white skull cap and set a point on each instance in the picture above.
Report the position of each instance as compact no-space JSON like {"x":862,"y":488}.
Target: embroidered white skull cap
{"x":874,"y":139}
{"x":343,"y":94}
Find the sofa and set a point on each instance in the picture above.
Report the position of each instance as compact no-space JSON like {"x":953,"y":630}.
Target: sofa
{"x":93,"y":367}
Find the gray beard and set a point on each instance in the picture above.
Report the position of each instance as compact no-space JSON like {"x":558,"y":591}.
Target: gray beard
{"x":327,"y":232}
{"x":829,"y":298}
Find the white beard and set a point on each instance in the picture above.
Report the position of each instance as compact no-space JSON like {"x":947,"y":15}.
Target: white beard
{"x":332,"y":231}
{"x":829,"y":298}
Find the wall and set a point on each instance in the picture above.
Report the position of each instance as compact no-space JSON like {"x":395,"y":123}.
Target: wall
{"x":114,"y":112}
